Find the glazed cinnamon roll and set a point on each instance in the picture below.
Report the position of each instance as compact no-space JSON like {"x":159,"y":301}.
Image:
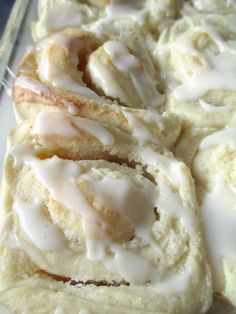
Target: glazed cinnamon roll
{"x":103,"y":16}
{"x":211,"y":154}
{"x":91,"y":213}
{"x":197,"y":57}
{"x":77,"y":66}
{"x":76,"y":72}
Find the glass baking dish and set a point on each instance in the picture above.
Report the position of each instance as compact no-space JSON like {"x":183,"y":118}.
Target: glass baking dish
{"x":14,"y":43}
{"x":15,"y":40}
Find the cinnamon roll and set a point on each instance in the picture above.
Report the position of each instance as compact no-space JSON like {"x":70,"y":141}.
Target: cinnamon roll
{"x":197,"y":56}
{"x":103,"y":16}
{"x":211,"y":156}
{"x":90,"y":212}
{"x":77,"y":65}
{"x":76,"y":72}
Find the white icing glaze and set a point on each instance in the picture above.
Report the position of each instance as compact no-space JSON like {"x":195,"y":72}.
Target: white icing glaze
{"x":127,"y":62}
{"x":72,"y":108}
{"x":95,"y":129}
{"x":139,"y":129}
{"x":212,"y":72}
{"x":21,"y":153}
{"x":217,"y":74}
{"x":175,"y":282}
{"x":9,"y":238}
{"x":66,"y":15}
{"x":48,"y":123}
{"x":169,"y":166}
{"x":127,"y":9}
{"x":129,"y":201}
{"x":57,"y":76}
{"x":62,"y":178}
{"x":62,"y":14}
{"x":226,"y":136}
{"x":51,"y":123}
{"x":219,"y":220}
{"x":103,"y":78}
{"x":173,"y":206}
{"x":40,"y":230}
{"x":137,"y":10}
{"x":31,"y":84}
{"x":59,"y":177}
{"x":5,"y":310}
{"x":38,"y":87}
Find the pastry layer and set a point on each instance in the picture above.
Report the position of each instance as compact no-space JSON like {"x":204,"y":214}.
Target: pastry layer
{"x":87,"y":204}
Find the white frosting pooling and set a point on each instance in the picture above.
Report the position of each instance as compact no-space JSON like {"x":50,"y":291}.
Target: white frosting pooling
{"x":219,"y":220}
{"x":51,"y":123}
{"x":55,"y":74}
{"x":127,"y":62}
{"x":223,"y":137}
{"x":40,"y":230}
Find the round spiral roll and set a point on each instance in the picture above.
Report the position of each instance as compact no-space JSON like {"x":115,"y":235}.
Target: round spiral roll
{"x":77,"y":66}
{"x":76,"y":72}
{"x":86,"y":204}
